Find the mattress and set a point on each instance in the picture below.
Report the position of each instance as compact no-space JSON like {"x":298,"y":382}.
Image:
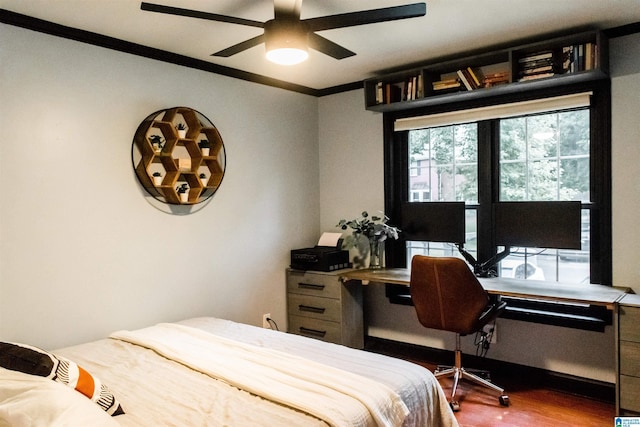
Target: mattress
{"x":157,"y":391}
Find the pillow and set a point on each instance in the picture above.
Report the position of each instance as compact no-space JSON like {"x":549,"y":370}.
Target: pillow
{"x":35,"y":401}
{"x":34,"y":361}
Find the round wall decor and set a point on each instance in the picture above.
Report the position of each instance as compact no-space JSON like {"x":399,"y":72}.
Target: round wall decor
{"x":178,"y":156}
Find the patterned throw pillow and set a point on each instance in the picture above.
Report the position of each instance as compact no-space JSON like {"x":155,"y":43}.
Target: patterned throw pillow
{"x":35,"y":361}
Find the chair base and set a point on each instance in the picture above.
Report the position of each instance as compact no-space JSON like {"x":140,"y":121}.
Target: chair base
{"x":458,"y":373}
{"x":485,"y":375}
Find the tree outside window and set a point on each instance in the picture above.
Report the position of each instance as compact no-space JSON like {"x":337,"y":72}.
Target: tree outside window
{"x":542,"y":157}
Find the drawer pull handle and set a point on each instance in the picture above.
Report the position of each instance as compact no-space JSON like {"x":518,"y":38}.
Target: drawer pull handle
{"x":311,"y":309}
{"x":311,"y":286}
{"x":313,"y":332}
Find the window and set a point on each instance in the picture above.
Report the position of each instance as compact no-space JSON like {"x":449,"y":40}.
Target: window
{"x":448,"y":159}
{"x":546,"y":157}
{"x":542,"y":157}
{"x":558,"y":153}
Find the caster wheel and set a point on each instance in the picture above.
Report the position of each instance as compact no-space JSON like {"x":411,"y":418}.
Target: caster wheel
{"x":455,"y":406}
{"x":504,"y":400}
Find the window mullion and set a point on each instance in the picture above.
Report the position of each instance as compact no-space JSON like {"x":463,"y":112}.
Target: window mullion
{"x":488,"y":186}
{"x":558,"y":158}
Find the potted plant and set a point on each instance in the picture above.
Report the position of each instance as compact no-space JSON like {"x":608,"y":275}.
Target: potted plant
{"x":182,"y":130}
{"x":157,"y":178}
{"x":205,"y":146}
{"x":157,"y":142}
{"x":204,"y":179}
{"x":183,"y":192}
{"x":368,"y":236}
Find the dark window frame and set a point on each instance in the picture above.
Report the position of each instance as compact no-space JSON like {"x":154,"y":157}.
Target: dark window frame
{"x":396,"y":192}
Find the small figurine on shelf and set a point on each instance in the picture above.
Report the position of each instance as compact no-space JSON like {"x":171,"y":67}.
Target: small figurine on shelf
{"x":157,"y":178}
{"x":203,"y":179}
{"x":182,"y":130}
{"x":205,"y":146}
{"x":183,"y":192}
{"x":157,"y":142}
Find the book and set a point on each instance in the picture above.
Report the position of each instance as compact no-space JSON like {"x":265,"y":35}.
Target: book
{"x":420,"y":88}
{"x":412,"y":90}
{"x":579,"y":57}
{"x":464,"y":80}
{"x":544,"y":68}
{"x":393,"y":93}
{"x":536,"y":56}
{"x":476,"y":75}
{"x":537,"y":63}
{"x":496,"y":79}
{"x":590,"y":57}
{"x":379,"y":93}
{"x":407,"y":96}
{"x":567,"y":59}
{"x":536,"y":76}
{"x":446,"y":84}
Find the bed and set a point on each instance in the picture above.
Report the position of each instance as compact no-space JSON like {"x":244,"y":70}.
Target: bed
{"x":163,"y":375}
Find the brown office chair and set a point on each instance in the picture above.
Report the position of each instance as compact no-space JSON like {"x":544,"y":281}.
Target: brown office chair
{"x":447,"y":296}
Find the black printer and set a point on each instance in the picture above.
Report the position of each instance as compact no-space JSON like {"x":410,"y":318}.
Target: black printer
{"x":320,"y":258}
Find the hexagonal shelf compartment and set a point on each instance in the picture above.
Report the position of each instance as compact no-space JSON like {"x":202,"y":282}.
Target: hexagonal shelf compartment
{"x":179,"y":168}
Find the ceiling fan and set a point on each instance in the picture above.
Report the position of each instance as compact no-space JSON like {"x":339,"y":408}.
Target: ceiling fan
{"x":287,"y":33}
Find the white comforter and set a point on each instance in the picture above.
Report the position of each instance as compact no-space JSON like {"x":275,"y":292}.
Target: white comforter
{"x":339,"y":397}
{"x":156,"y":391}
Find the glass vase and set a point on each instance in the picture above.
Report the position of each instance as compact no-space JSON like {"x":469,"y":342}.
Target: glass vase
{"x":376,"y":253}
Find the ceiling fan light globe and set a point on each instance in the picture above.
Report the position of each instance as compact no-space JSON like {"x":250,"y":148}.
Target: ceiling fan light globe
{"x":287,"y":55}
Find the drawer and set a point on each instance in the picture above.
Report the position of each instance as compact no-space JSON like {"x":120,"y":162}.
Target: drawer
{"x":629,"y":323}
{"x":630,"y":393}
{"x":315,"y":307}
{"x":630,"y":358}
{"x":308,"y":283}
{"x":314,"y":328}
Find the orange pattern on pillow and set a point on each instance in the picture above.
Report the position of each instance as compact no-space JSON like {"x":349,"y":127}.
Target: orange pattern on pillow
{"x":85,"y":384}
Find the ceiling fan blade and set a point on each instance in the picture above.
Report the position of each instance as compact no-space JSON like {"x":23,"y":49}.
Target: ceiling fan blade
{"x":151,"y":7}
{"x":328,"y":47}
{"x":237,"y":48}
{"x":372,"y":16}
{"x":287,"y":9}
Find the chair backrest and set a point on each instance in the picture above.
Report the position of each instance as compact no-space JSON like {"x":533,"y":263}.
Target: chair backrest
{"x":447,"y":295}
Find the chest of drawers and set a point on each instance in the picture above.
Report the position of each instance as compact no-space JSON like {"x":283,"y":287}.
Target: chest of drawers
{"x":629,"y":355}
{"x":321,"y":306}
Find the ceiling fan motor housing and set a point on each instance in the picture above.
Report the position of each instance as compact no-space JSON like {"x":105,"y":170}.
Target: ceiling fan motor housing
{"x":286,"y":34}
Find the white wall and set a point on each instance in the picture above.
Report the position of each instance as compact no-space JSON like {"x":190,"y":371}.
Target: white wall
{"x":625,"y":163}
{"x":351,"y":159}
{"x":351,"y":180}
{"x":82,"y":252}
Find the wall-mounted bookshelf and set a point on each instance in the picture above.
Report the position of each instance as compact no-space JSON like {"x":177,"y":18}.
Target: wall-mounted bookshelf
{"x":169,"y":164}
{"x":537,"y":65}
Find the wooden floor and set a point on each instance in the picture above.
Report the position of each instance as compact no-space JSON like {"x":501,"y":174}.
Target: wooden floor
{"x":530,"y":404}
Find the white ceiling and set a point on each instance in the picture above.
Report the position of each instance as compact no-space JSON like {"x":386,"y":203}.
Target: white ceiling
{"x":449,"y":27}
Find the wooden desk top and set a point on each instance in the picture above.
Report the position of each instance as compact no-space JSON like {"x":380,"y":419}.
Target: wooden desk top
{"x":561,"y":292}
{"x":631,"y":300}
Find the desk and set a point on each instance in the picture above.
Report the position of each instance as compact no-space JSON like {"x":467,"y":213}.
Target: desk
{"x":558,"y":292}
{"x":626,"y":308}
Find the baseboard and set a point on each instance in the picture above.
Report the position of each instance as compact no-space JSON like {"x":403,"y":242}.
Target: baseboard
{"x":525,"y":375}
